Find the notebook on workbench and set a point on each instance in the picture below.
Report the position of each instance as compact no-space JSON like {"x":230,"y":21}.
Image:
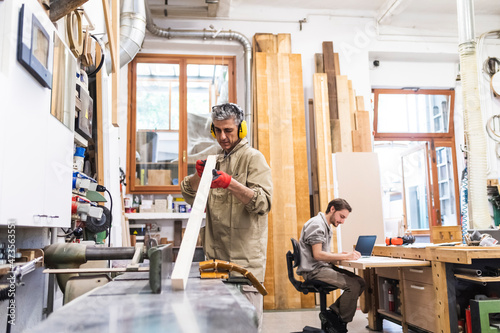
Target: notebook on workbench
{"x":365,"y":245}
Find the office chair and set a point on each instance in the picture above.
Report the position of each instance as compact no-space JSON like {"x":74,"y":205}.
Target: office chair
{"x":308,"y":286}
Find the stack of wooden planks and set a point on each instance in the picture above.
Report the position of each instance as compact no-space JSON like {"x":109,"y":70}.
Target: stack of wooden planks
{"x":279,"y":117}
{"x":349,"y":121}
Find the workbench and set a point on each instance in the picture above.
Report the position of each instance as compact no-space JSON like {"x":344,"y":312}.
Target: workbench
{"x":127,"y":304}
{"x":428,"y":281}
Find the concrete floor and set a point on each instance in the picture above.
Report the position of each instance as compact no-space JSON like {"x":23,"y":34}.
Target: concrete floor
{"x":294,"y":321}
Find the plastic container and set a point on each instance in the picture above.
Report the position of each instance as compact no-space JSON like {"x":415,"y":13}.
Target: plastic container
{"x":169,"y":203}
{"x":78,"y":159}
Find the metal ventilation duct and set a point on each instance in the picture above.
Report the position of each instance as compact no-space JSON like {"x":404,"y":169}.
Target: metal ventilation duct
{"x":132,"y":32}
{"x":207,"y":34}
{"x":473,"y":121}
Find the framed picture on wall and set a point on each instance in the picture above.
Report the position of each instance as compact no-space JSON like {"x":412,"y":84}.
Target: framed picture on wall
{"x":35,"y":47}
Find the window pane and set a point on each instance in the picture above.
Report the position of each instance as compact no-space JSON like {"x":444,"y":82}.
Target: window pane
{"x":157,"y":124}
{"x":413,"y":113}
{"x":207,"y":85}
{"x":416,"y":189}
{"x":446,"y":186}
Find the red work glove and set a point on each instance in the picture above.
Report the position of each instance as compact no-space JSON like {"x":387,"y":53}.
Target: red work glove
{"x":200,"y":166}
{"x":220,"y":179}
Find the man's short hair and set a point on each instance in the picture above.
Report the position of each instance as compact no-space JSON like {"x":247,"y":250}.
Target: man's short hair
{"x":227,"y":111}
{"x":338,"y":204}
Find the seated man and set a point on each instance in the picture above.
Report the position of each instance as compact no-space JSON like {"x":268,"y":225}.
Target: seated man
{"x":316,"y":264}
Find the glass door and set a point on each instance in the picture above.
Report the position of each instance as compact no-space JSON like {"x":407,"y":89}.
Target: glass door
{"x":157,"y":124}
{"x":416,"y":187}
{"x":444,"y":184}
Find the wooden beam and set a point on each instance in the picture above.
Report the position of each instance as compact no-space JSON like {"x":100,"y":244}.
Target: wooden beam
{"x":182,"y":266}
{"x":318,"y":59}
{"x":352,"y":105}
{"x":284,"y":199}
{"x":314,"y":161}
{"x":61,"y":8}
{"x":330,"y":70}
{"x":344,"y":113}
{"x":99,"y":120}
{"x":336,"y":63}
{"x":360,"y":103}
{"x":323,"y":140}
{"x":328,"y":57}
{"x":265,"y":43}
{"x":264,"y":147}
{"x":109,"y":28}
{"x":284,"y":43}
{"x":115,"y":78}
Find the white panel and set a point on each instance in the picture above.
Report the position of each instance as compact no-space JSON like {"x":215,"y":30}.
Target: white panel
{"x":33,"y":144}
{"x":24,"y":113}
{"x":357,"y":180}
{"x":58,"y":174}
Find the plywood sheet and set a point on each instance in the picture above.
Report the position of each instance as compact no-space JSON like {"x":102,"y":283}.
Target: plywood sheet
{"x":357,"y":180}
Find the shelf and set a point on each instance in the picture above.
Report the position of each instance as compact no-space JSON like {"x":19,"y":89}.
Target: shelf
{"x":480,"y":279}
{"x":156,"y":163}
{"x":158,"y":216}
{"x":81,"y":141}
{"x":390,"y":314}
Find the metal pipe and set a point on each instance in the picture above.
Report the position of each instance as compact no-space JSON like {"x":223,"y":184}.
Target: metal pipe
{"x":465,"y":15}
{"x":474,"y":130}
{"x":206,"y":34}
{"x":132,"y":32}
{"x":109,"y":253}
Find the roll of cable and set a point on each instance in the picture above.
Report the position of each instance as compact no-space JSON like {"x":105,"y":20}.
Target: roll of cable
{"x":98,"y":68}
{"x":97,"y":225}
{"x":495,"y":84}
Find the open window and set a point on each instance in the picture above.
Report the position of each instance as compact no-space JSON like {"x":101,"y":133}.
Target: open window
{"x":170,"y":100}
{"x":414,"y":137}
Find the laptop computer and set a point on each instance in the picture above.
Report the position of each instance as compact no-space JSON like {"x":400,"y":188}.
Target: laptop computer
{"x":365,"y":245}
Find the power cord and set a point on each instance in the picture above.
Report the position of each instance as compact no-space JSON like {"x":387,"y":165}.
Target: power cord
{"x":101,"y":188}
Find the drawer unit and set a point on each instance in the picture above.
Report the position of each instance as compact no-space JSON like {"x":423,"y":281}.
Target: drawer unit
{"x":420,"y":306}
{"x":418,"y":274}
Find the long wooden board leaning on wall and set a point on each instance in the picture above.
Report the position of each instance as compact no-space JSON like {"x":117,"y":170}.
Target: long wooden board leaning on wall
{"x":274,"y":105}
{"x":324,"y":151}
{"x":280,"y":122}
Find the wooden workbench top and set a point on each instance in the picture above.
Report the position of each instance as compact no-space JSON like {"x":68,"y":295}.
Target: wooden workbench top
{"x":450,"y":254}
{"x":376,"y":261}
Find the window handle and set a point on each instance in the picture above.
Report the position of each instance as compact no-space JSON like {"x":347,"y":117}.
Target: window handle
{"x":184,"y":156}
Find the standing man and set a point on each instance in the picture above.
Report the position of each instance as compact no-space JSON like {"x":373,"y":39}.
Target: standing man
{"x":316,"y":263}
{"x":238,"y":202}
